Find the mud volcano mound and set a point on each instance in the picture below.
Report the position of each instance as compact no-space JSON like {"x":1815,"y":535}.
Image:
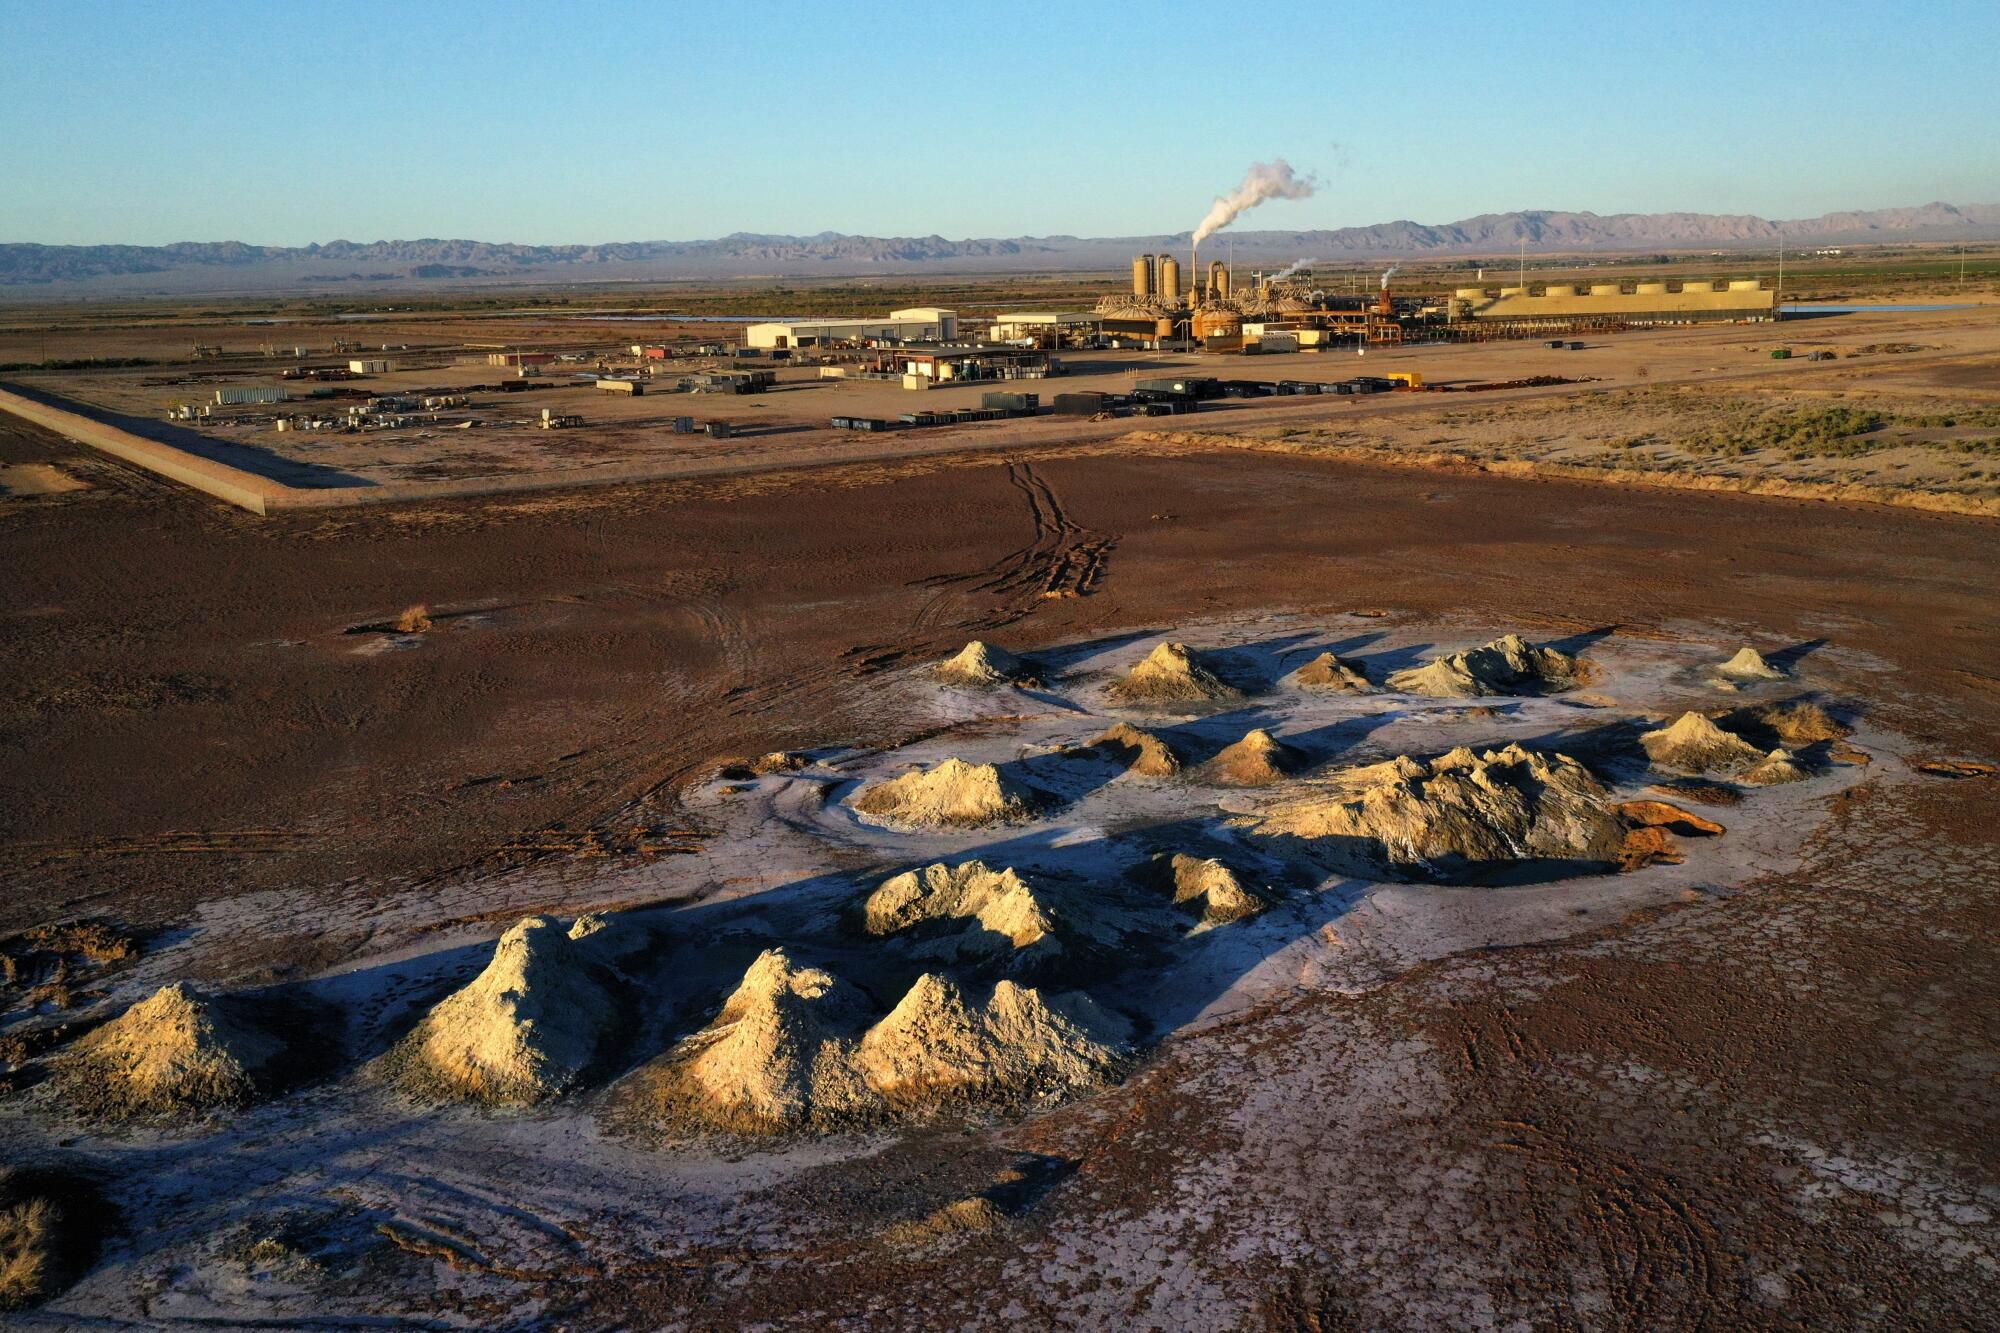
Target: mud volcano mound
{"x":1508,"y":665}
{"x":1329,"y":671}
{"x":1747,"y":665}
{"x":1694,"y":744}
{"x":973,"y":914}
{"x":176,"y":1051}
{"x":1141,"y":752}
{"x":939,"y":1045}
{"x":791,"y":1049}
{"x":1258,"y":760}
{"x":777,"y":1056}
{"x":525,"y":1029}
{"x":1173,"y":673}
{"x":996,"y":911}
{"x":982,"y":666}
{"x":952,"y":794}
{"x":1207,"y":888}
{"x":1455,"y":816}
{"x":1774,"y":769}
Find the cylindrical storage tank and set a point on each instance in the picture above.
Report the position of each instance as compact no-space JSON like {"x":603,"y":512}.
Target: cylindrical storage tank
{"x":1218,"y":279}
{"x":1170,"y":279}
{"x":1652,"y":289}
{"x":1163,"y":328}
{"x":1558,"y":289}
{"x":1746,"y":285}
{"x":1142,"y":277}
{"x":1604,"y":289}
{"x":1470,"y":293}
{"x":1513,"y":291}
{"x":1701,"y":286}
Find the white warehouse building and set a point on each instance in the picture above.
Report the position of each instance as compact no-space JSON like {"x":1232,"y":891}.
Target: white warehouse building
{"x":919,"y":324}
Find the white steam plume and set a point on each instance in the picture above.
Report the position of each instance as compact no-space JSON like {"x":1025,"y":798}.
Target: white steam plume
{"x":1389,"y":273}
{"x":1264,"y":180}
{"x":1291,"y":268}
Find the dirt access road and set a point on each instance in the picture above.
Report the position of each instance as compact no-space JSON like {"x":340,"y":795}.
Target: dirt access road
{"x":1764,"y":1109}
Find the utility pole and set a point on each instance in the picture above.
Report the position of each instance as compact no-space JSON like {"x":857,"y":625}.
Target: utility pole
{"x":1523,"y":279}
{"x":1778,"y":305}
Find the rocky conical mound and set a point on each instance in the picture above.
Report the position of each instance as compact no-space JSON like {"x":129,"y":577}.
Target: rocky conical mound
{"x":1774,"y":769}
{"x":778,"y":1056}
{"x":999,"y":908}
{"x":1331,"y":672}
{"x":1209,"y":889}
{"x":953,"y":794}
{"x":1173,"y":673}
{"x":1748,"y":664}
{"x":526,"y":1028}
{"x":1458,"y":814}
{"x":938,"y":1044}
{"x":1508,"y":665}
{"x":178,"y":1050}
{"x":981,"y":665}
{"x":1258,"y":760}
{"x":1141,"y":752}
{"x":1694,"y":744}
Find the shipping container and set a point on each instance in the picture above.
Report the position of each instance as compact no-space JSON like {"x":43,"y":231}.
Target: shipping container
{"x":237,"y":397}
{"x":1011,"y":402}
{"x":1188,"y":386}
{"x":1083,"y":404}
{"x":632,"y":387}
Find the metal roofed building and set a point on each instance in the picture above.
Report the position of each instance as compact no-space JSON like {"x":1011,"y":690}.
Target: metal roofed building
{"x":917,"y":324}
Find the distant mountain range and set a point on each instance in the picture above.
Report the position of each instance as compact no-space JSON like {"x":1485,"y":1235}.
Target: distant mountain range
{"x":29,"y":270}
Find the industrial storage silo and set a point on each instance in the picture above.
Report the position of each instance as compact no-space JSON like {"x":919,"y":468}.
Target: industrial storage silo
{"x":1170,"y":279}
{"x":1218,"y":280}
{"x":1142,"y":277}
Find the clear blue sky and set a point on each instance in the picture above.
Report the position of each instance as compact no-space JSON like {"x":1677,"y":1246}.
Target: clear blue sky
{"x":286,"y":123}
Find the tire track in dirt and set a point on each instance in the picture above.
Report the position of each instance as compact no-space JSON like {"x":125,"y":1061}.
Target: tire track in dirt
{"x":1062,"y":559}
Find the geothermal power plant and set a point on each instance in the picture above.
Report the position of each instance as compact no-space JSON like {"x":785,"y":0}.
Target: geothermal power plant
{"x":1288,"y":310}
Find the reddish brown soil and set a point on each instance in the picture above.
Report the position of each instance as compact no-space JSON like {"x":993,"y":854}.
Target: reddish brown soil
{"x":1575,"y":1135}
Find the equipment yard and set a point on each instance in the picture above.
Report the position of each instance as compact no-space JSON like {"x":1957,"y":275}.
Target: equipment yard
{"x":484,"y":428}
